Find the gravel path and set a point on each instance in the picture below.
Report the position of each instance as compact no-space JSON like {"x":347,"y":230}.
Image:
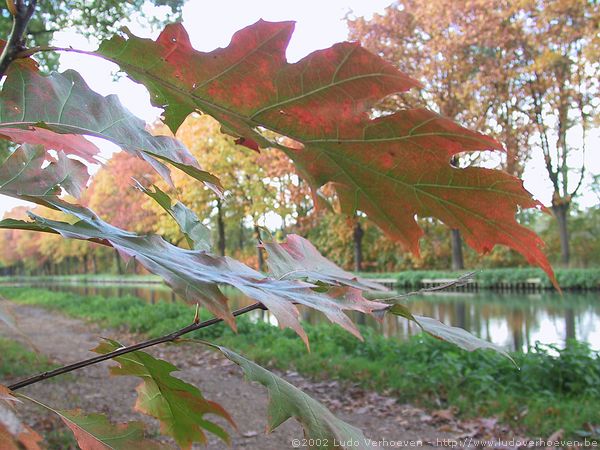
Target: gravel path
{"x":66,"y":340}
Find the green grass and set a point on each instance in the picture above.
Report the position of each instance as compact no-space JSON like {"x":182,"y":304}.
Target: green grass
{"x":96,"y":278}
{"x":553,"y":389}
{"x":17,"y":360}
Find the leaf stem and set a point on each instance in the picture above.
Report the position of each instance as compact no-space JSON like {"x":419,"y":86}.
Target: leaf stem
{"x":132,"y":348}
{"x":15,"y":44}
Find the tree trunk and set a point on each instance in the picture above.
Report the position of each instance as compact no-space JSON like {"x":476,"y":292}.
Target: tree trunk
{"x":458,"y":262}
{"x":461,"y":315}
{"x":570,"y":333}
{"x":241,"y":236}
{"x":259,"y":253}
{"x":220,"y":228}
{"x":561,"y":211}
{"x":358,"y":254}
{"x":119,"y":264}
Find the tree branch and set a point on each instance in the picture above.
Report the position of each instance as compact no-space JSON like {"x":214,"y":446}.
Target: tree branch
{"x":16,"y":41}
{"x":460,"y":281}
{"x":132,"y":348}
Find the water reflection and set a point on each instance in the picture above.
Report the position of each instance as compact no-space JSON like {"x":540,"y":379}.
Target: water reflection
{"x":512,"y":320}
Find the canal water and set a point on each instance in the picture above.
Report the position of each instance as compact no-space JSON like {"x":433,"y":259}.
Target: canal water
{"x":514,"y":320}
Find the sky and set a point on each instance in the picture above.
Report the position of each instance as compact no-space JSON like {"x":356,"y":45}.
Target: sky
{"x":319,"y":24}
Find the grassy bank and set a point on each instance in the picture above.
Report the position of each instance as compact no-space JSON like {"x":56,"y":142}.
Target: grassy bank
{"x":17,"y":360}
{"x":82,"y":278}
{"x":547,"y":393}
{"x":491,"y":278}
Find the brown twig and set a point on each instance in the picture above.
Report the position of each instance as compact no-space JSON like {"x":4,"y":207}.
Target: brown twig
{"x":460,"y":281}
{"x":21,"y":13}
{"x":132,"y":348}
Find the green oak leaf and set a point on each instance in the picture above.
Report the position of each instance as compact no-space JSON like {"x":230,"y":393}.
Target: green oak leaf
{"x":455,"y":335}
{"x":179,"y":406}
{"x":322,"y":429}
{"x":195,"y":232}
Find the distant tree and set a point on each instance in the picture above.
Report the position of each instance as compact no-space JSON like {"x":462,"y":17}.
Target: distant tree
{"x":112,"y":195}
{"x":523,"y":71}
{"x":442,"y":44}
{"x":90,"y":18}
{"x":255,"y":186}
{"x":561,"y":72}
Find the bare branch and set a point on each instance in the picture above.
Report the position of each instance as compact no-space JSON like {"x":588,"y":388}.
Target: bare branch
{"x":132,"y":348}
{"x":460,"y":281}
{"x":16,"y":41}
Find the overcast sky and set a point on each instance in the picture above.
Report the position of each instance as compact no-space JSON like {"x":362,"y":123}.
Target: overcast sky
{"x":319,"y":24}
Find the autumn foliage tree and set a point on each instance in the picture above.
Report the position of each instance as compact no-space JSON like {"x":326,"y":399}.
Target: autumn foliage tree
{"x":526,"y":72}
{"x":453,"y":49}
{"x":322,"y":113}
{"x":561,"y":73}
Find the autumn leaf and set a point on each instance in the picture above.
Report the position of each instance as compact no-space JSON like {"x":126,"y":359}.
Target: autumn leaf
{"x":30,"y":172}
{"x":14,"y":434}
{"x":195,"y":232}
{"x":5,"y":152}
{"x":179,"y":406}
{"x":322,"y":429}
{"x":6,"y":395}
{"x":455,"y":335}
{"x":297,"y":258}
{"x":392,"y":167}
{"x":56,"y":110}
{"x":96,"y":432}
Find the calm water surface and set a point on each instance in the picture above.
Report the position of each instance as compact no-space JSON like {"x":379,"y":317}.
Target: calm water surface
{"x":512,"y":320}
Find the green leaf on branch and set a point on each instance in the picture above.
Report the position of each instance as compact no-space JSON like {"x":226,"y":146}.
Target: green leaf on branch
{"x":179,"y":406}
{"x":195,"y":232}
{"x":393,"y":167}
{"x":96,"y":432}
{"x":197,"y":275}
{"x":322,"y":429}
{"x":14,"y":224}
{"x":57,"y":110}
{"x":455,"y":335}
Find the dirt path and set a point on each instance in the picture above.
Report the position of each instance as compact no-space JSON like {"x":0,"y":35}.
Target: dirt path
{"x":66,"y":340}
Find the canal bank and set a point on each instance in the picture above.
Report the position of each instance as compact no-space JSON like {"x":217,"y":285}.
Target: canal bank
{"x":554,"y":388}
